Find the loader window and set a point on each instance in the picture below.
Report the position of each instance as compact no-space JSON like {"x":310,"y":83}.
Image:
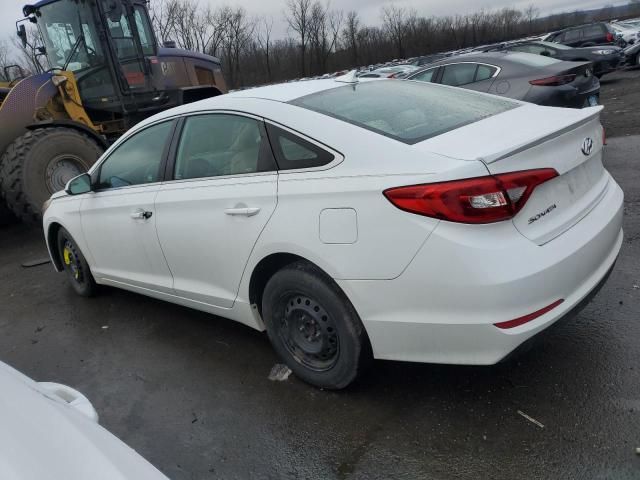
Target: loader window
{"x":70,"y":35}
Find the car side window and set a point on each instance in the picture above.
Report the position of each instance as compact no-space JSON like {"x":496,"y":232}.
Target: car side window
{"x":426,"y":76}
{"x":213,"y":145}
{"x":485,"y":72}
{"x":293,"y":152}
{"x":593,"y":31}
{"x":138,"y":160}
{"x":522,"y":48}
{"x":572,"y":35}
{"x":459,"y":74}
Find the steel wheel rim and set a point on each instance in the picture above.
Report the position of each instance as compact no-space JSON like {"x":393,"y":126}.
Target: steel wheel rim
{"x":308,"y":332}
{"x":61,"y":169}
{"x":72,"y":262}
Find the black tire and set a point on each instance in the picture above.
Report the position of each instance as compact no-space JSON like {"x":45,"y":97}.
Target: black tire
{"x":39,"y":163}
{"x":75,"y":265}
{"x":314,"y":328}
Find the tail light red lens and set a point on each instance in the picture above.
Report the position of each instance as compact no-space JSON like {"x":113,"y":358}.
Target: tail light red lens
{"x":473,"y":200}
{"x":555,"y":81}
{"x":610,"y":37}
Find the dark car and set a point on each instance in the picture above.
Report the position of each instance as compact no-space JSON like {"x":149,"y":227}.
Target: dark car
{"x":523,"y":76}
{"x":605,"y":59}
{"x":599,"y":33}
{"x":632,"y":55}
{"x":427,"y":59}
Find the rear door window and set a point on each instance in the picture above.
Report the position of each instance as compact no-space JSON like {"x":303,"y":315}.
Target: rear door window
{"x":485,"y":72}
{"x":426,"y":76}
{"x":214,"y":145}
{"x":593,"y":31}
{"x":459,"y":74}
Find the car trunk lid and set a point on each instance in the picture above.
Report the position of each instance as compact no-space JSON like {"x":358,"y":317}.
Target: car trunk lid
{"x":569,"y":141}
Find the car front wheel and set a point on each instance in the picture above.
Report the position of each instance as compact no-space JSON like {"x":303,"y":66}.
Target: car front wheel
{"x":314,"y":328}
{"x":75,"y":265}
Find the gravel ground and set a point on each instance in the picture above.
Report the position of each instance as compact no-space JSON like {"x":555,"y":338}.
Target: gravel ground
{"x":620,"y":93}
{"x":190,"y":391}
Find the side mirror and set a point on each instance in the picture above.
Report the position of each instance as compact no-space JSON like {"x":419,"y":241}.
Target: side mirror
{"x":22,"y":34}
{"x":546,"y":53}
{"x":79,"y":185}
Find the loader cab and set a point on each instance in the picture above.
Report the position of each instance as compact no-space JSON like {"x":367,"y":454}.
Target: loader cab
{"x":106,"y":44}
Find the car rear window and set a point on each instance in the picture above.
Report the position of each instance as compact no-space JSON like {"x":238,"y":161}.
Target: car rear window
{"x":404,"y":110}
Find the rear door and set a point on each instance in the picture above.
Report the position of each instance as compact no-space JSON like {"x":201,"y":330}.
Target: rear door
{"x":210,"y":215}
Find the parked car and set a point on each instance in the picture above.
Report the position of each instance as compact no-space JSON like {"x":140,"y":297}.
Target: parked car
{"x":599,"y":33}
{"x":389,"y":72}
{"x":523,"y":76}
{"x":628,"y":33}
{"x":352,"y":219}
{"x":604,"y":59}
{"x":632,"y":55}
{"x":51,"y":431}
{"x":427,"y":59}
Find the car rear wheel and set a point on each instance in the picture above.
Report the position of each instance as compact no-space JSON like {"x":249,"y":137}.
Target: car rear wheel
{"x":314,"y":328}
{"x":75,"y":265}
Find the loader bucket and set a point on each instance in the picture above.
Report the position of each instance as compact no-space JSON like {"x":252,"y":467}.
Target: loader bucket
{"x":21,"y":104}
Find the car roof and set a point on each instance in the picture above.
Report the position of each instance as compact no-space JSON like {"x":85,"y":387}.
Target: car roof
{"x":286,"y":92}
{"x":483,"y":57}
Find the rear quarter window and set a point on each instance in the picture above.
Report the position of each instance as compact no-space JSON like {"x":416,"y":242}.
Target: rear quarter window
{"x":531,"y":60}
{"x":406,"y":111}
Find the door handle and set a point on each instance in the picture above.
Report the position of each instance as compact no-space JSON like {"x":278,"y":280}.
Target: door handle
{"x":242,"y":212}
{"x":141,"y":214}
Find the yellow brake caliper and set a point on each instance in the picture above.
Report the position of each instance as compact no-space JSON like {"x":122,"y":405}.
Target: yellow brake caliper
{"x":67,"y":253}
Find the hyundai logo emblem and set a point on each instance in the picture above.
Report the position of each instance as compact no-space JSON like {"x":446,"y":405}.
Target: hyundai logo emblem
{"x":587,"y":146}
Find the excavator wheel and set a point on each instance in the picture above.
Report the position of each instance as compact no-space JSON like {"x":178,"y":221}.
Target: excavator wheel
{"x":40,"y":163}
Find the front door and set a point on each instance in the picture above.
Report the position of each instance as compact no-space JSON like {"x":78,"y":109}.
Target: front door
{"x":119,"y":219}
{"x":209,"y":217}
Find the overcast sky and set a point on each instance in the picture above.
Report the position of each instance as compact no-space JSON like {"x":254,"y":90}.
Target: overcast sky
{"x":369,"y":9}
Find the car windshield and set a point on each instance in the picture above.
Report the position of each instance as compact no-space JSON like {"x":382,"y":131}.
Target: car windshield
{"x":404,"y":110}
{"x":532,"y":60}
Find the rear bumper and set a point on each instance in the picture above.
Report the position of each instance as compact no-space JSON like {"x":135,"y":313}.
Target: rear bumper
{"x":608,"y":64}
{"x":443,"y":308}
{"x":562,"y":96}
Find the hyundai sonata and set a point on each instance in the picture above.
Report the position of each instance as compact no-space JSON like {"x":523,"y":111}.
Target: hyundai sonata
{"x":352,"y":220}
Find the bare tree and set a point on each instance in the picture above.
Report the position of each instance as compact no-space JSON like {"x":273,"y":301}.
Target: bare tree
{"x":264,"y":40}
{"x":531,"y":14}
{"x":239,"y":31}
{"x":163,"y":18}
{"x":395,"y":20}
{"x":4,"y":61}
{"x":29,"y":57}
{"x":299,"y":18}
{"x":350,"y":35}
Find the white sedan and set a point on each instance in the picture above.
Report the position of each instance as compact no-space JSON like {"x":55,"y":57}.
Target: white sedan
{"x":352,"y":220}
{"x":50,"y":431}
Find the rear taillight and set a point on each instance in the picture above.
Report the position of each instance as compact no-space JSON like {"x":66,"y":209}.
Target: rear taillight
{"x":553,"y":81}
{"x":473,"y":200}
{"x":610,"y":37}
{"x":604,"y":135}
